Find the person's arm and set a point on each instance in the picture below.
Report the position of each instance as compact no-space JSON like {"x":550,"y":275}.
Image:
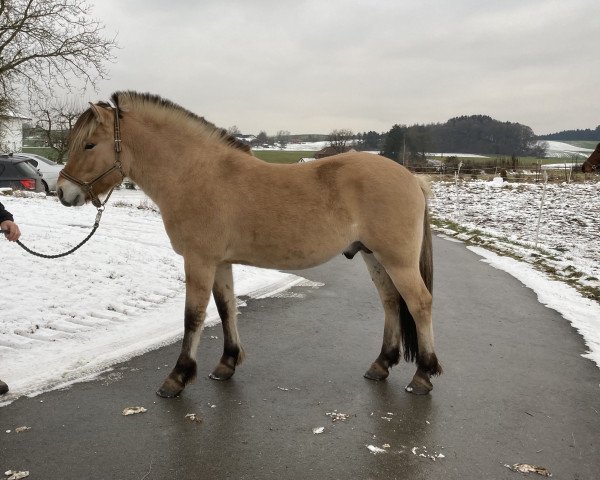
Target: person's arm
{"x":4,"y":214}
{"x":7,"y":224}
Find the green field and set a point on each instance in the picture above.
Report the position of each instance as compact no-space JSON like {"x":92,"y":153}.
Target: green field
{"x":281,"y":156}
{"x":43,"y":151}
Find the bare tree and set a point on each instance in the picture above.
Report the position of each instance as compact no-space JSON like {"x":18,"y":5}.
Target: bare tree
{"x":55,"y":120}
{"x":283,"y":138}
{"x":234,"y":131}
{"x":45,"y":44}
{"x":339,"y":139}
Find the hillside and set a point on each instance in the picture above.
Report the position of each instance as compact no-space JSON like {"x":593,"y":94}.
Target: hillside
{"x":578,"y":135}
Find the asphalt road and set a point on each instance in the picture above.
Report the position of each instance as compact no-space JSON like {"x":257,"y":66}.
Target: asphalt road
{"x":515,"y":390}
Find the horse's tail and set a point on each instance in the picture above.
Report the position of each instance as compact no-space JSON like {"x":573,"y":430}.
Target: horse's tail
{"x":408,"y":327}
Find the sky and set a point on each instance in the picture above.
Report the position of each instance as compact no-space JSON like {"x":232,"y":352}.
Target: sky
{"x":310,"y":66}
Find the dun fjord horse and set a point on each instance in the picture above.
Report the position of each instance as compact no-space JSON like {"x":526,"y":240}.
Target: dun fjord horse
{"x":593,"y":162}
{"x":221,"y":205}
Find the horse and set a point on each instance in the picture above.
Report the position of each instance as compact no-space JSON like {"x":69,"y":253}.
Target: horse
{"x":221,"y":205}
{"x":592,"y":162}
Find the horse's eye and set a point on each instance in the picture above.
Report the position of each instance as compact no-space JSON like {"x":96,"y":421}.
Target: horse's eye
{"x":89,"y":146}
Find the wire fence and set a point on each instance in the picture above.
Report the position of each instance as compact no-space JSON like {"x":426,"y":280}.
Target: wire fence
{"x":564,"y":172}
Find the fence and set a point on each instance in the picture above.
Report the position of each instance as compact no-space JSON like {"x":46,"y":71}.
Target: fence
{"x":535,"y":173}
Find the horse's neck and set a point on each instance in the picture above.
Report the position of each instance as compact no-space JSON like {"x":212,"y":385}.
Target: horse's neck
{"x":161,"y":157}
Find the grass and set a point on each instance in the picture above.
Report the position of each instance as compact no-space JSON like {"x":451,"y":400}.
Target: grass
{"x":43,"y":151}
{"x":281,"y":156}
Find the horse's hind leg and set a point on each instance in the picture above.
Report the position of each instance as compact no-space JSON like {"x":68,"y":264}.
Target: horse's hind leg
{"x":233,"y":354}
{"x":410,"y":285}
{"x":390,"y":298}
{"x":199,"y":278}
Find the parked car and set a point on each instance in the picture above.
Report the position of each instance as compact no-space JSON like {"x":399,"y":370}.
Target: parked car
{"x":47,"y":168}
{"x":18,"y":174}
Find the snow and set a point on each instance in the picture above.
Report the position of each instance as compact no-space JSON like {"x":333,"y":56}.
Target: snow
{"x":299,"y":146}
{"x":120,"y":295}
{"x":554,"y":149}
{"x":375,"y":450}
{"x":461,"y":155}
{"x":562,"y":269}
{"x":561,"y":149}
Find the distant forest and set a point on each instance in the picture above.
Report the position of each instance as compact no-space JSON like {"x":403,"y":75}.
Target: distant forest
{"x":586,"y":134}
{"x":477,"y":134}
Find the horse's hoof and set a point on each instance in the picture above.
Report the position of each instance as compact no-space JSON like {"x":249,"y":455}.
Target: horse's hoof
{"x":169,"y":389}
{"x":419,"y":387}
{"x":222,"y":372}
{"x":376,"y":372}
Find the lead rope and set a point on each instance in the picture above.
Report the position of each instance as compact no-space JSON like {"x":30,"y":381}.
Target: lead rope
{"x":68,"y":252}
{"x":95,"y":200}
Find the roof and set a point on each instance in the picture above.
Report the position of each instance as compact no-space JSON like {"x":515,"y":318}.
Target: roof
{"x":16,"y":116}
{"x":331,"y":150}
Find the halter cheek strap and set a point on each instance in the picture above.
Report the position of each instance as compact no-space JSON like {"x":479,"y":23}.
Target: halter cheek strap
{"x":117,"y":165}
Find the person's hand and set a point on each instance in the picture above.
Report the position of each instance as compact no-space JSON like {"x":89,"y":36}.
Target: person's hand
{"x":12,"y":228}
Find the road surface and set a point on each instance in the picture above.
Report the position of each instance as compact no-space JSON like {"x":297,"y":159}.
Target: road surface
{"x":515,"y":390}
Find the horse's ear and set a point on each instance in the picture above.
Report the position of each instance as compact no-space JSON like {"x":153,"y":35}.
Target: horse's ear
{"x":94,"y":108}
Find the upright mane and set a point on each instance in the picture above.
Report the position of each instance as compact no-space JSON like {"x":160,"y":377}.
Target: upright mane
{"x":123,"y":100}
{"x":148,"y":98}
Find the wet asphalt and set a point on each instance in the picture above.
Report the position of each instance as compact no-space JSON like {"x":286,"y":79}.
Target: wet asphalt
{"x":515,"y":390}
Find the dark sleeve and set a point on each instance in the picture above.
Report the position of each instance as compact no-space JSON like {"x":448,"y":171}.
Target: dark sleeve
{"x":4,"y":215}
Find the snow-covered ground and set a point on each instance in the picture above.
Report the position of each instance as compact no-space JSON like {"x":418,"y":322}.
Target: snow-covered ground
{"x":118,"y":296}
{"x":564,"y":267}
{"x":299,"y":147}
{"x":562,"y":150}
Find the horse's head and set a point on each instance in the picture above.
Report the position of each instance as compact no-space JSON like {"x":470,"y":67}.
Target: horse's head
{"x":94,"y":166}
{"x":593,"y":162}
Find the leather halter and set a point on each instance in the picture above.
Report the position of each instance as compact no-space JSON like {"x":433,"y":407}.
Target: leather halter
{"x":88,"y":186}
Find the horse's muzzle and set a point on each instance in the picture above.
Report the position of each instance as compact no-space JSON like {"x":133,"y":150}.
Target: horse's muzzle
{"x":70,"y":198}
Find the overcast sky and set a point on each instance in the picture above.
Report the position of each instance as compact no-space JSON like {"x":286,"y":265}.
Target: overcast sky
{"x":314,"y":66}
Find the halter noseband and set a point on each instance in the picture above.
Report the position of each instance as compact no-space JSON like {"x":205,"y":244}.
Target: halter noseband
{"x":88,"y":186}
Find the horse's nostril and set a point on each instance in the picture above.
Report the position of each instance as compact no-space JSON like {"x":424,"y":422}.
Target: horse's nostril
{"x":59,"y":193}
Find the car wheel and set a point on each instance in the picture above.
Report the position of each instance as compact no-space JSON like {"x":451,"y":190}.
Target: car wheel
{"x":46,"y":189}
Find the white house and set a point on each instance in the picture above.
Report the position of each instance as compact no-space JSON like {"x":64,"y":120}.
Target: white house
{"x":11,"y":132}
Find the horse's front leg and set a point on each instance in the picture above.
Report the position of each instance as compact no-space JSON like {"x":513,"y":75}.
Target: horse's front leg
{"x":199,"y":278}
{"x":233,"y":353}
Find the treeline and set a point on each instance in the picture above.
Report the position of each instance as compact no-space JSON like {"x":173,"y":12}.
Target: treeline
{"x":476,"y":134}
{"x":579,"y":134}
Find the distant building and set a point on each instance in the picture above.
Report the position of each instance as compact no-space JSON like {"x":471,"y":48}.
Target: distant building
{"x":330,"y":150}
{"x":11,"y":132}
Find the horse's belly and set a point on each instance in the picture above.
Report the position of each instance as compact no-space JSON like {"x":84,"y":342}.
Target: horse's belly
{"x":290,"y":257}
